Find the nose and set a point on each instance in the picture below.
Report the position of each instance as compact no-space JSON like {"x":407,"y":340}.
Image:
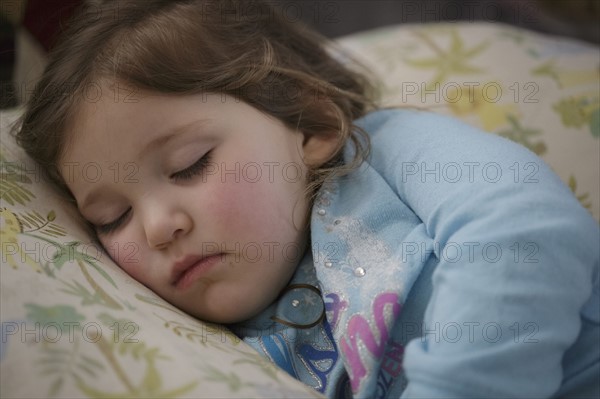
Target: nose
{"x":163,"y":225}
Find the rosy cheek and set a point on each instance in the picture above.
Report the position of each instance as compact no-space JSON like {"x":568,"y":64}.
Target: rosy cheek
{"x":126,"y":254}
{"x":240,"y":204}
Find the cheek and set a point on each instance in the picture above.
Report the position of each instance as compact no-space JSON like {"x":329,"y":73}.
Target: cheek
{"x":257,"y":210}
{"x":238,"y":205}
{"x":127,"y":254}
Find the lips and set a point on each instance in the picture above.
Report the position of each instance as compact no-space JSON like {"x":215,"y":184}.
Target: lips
{"x":190,"y":268}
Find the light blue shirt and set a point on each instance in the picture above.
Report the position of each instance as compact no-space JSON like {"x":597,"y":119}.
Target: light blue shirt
{"x":452,"y":263}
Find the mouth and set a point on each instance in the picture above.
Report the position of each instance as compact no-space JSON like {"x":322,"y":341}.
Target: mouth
{"x":191,"y":268}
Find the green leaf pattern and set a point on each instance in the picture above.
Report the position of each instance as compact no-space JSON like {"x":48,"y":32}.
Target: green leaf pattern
{"x":549,"y":91}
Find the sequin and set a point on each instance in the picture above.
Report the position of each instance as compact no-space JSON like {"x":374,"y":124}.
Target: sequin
{"x":321,"y":212}
{"x":360,"y":272}
{"x":295,"y":303}
{"x":328,"y":264}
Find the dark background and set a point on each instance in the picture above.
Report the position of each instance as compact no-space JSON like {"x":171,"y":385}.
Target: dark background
{"x":574,"y":18}
{"x":42,"y":19}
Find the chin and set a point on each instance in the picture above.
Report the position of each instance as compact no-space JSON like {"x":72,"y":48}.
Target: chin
{"x":231,"y":314}
{"x":231,"y":304}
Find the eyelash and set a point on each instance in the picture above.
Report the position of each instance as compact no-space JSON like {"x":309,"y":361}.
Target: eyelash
{"x":193,"y":170}
{"x":108,"y":228}
{"x":186,"y":174}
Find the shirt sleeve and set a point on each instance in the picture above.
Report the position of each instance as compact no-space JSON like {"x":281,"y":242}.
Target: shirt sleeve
{"x":516,"y":252}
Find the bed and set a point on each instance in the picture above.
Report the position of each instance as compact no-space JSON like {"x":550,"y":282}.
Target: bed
{"x":74,"y":325}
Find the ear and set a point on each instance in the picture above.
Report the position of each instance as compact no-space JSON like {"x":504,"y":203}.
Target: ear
{"x":319,"y":147}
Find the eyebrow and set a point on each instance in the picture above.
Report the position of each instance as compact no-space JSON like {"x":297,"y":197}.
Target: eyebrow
{"x":158,"y":142}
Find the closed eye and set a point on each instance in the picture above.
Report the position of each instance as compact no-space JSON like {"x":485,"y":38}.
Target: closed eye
{"x":107,"y":228}
{"x":193,"y":170}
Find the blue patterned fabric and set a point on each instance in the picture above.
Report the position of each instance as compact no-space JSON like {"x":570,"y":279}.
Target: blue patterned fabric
{"x":446,"y":271}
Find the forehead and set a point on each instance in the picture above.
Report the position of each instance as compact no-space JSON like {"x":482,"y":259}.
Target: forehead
{"x":114,"y":121}
{"x":110,"y":121}
{"x":110,"y":133}
{"x":112,"y":143}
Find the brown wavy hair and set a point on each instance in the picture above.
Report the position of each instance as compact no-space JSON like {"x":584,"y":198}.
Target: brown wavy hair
{"x":245,"y":49}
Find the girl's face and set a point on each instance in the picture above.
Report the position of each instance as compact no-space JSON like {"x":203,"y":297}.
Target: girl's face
{"x":200,"y":197}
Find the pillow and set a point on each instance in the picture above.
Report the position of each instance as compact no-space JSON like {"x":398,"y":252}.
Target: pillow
{"x":75,"y":325}
{"x":538,"y":90}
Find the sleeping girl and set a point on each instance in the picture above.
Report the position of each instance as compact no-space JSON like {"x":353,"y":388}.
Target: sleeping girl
{"x":268,"y":192}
